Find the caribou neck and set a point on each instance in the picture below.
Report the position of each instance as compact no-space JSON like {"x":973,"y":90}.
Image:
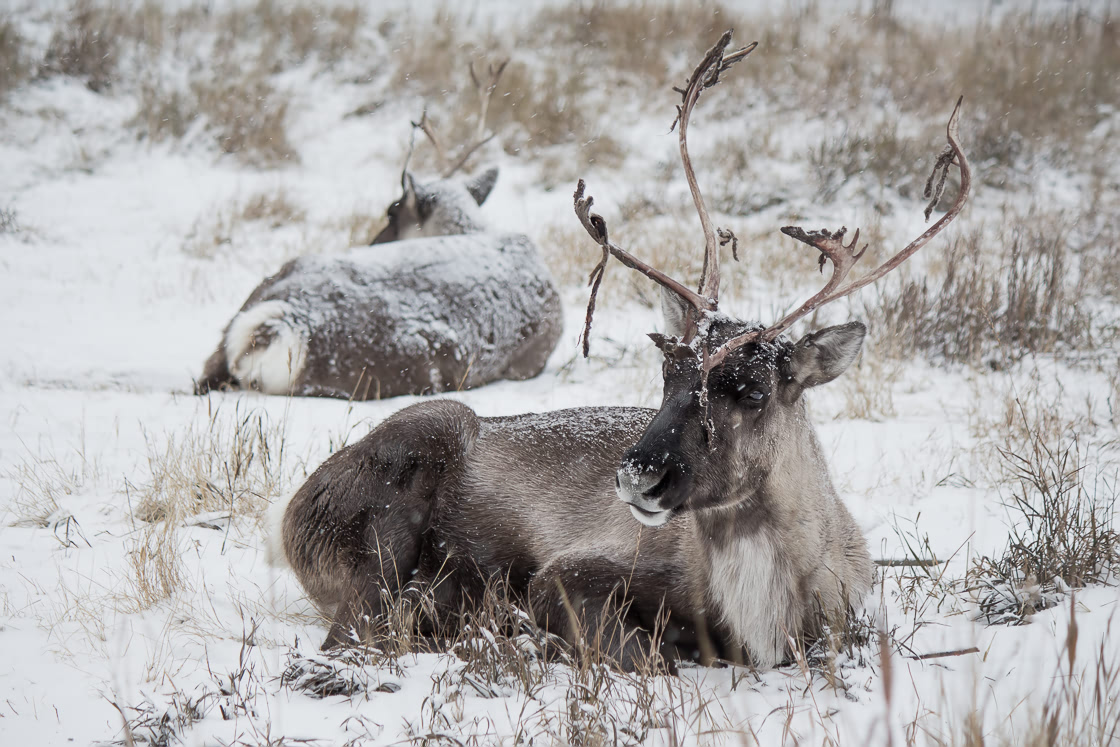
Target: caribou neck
{"x":748,"y":565}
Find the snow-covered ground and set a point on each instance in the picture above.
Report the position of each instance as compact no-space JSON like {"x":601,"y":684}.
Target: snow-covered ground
{"x":125,"y":258}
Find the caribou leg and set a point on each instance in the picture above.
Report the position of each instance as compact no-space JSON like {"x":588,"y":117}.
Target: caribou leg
{"x":593,"y":602}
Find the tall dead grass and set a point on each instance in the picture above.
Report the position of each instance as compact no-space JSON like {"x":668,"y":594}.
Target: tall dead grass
{"x":42,"y":484}
{"x":232,"y":464}
{"x":86,"y":44}
{"x":14,"y":66}
{"x":1058,"y":477}
{"x":998,"y":297}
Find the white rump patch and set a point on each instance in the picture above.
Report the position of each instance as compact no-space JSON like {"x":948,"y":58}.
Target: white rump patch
{"x":272,"y":366}
{"x":274,"y":530}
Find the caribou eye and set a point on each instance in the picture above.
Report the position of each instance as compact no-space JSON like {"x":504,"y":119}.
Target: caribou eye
{"x":754,"y":398}
{"x":394,"y":209}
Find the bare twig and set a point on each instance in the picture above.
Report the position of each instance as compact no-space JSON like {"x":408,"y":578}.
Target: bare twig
{"x":908,"y":563}
{"x":944,"y":654}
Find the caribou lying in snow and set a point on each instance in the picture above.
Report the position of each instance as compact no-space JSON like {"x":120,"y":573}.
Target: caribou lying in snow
{"x":716,"y":510}
{"x":439,"y":304}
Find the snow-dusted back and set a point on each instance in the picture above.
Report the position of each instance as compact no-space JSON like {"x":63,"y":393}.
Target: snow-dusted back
{"x":408,"y":317}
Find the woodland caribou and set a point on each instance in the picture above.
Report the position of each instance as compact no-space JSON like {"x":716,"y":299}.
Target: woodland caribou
{"x":439,"y":304}
{"x":715,"y":512}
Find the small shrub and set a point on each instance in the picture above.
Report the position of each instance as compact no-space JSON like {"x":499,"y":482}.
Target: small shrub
{"x":165,"y":726}
{"x":1022,"y":305}
{"x":9,"y":221}
{"x":86,"y":46}
{"x":14,"y":68}
{"x":247,"y":116}
{"x":893,"y":161}
{"x":1062,"y":526}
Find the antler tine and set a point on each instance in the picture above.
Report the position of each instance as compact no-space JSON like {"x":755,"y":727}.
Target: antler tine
{"x":596,"y":227}
{"x":705,"y":76}
{"x":425,"y":126}
{"x":844,"y":257}
{"x":486,"y":93}
{"x":951,"y":154}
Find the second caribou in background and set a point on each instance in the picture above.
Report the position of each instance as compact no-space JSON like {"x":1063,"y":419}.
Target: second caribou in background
{"x":439,"y":304}
{"x":456,"y":308}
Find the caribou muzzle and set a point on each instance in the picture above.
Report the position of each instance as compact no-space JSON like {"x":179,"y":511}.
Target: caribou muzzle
{"x":391,"y":232}
{"x":653,"y":478}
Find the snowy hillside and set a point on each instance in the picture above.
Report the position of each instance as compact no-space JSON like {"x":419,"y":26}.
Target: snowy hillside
{"x":158,"y":161}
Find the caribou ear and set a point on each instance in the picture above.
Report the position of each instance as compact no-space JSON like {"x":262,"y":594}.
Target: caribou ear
{"x":819,"y":357}
{"x":480,"y":186}
{"x":674,"y":312}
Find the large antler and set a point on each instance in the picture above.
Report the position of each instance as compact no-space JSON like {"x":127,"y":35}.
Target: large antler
{"x":485,"y":89}
{"x":830,"y":244}
{"x":844,"y":256}
{"x":706,"y":75}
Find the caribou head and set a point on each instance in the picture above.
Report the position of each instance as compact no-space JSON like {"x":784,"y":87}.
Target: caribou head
{"x":446,"y":206}
{"x":441,"y":208}
{"x":732,"y":421}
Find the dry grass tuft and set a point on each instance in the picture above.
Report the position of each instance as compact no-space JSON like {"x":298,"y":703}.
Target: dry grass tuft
{"x":359,"y":226}
{"x":293,"y":33}
{"x":163,"y":112}
{"x":216,"y":228}
{"x":248,"y":116}
{"x":642,"y":39}
{"x":42,"y":484}
{"x":869,"y":387}
{"x":1062,"y":516}
{"x":276,"y":208}
{"x":86,"y":45}
{"x":245,"y":113}
{"x":232,"y":465}
{"x":993,"y":304}
{"x":156,"y":561}
{"x":14,"y":66}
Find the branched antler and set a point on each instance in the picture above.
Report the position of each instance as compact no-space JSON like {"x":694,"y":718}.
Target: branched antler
{"x":596,"y":228}
{"x":831,"y":244}
{"x":705,"y":76}
{"x":485,"y":89}
{"x":843,"y":257}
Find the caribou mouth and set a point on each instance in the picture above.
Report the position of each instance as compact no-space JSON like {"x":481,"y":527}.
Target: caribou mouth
{"x":651,"y":518}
